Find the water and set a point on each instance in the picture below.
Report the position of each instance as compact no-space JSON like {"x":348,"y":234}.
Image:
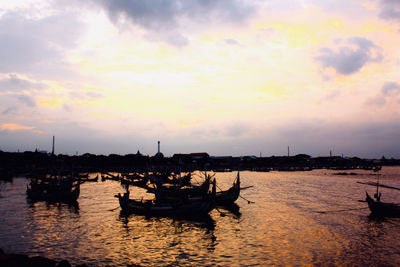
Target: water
{"x":284,"y":226}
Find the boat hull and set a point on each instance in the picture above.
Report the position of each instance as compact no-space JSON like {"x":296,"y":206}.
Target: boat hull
{"x":227,"y":197}
{"x":54,"y":195}
{"x":149,"y":208}
{"x":383,"y":209}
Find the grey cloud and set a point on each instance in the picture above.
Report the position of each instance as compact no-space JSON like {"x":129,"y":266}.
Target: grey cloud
{"x":67,"y":107}
{"x":27,"y":100}
{"x":231,"y":41}
{"x":14,"y":83}
{"x":9,"y":110}
{"x":156,"y":14}
{"x":365,"y":139}
{"x":390,"y":9}
{"x":177,"y":39}
{"x":171,"y":37}
{"x":94,"y":94}
{"x":351,"y":58}
{"x":315,"y":137}
{"x":237,"y":129}
{"x":161,"y":16}
{"x":20,"y":53}
{"x":37,"y":45}
{"x":16,"y":87}
{"x":378,"y":100}
{"x":388,"y":90}
{"x":389,"y":87}
{"x":332,"y":95}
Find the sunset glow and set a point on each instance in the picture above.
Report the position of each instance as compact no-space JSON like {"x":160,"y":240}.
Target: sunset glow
{"x":225,"y":77}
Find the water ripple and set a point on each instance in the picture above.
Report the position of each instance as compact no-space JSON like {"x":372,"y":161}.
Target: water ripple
{"x":283,"y":227}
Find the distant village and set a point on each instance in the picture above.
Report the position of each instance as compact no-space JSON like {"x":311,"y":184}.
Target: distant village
{"x":21,"y":163}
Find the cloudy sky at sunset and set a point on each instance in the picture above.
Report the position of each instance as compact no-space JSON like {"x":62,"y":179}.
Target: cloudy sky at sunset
{"x":227,"y":77}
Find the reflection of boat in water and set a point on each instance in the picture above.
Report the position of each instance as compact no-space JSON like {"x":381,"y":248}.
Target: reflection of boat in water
{"x":183,"y":206}
{"x":54,"y":189}
{"x":377,"y":207}
{"x":202,"y":221}
{"x":71,"y":206}
{"x":232,"y":208}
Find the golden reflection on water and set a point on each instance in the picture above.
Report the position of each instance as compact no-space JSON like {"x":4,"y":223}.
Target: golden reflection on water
{"x":284,"y":226}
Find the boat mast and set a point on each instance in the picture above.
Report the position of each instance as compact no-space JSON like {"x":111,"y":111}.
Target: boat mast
{"x":377,"y":187}
{"x":377,"y":195}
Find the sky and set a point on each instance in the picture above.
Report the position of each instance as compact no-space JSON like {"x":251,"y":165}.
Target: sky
{"x":227,"y":77}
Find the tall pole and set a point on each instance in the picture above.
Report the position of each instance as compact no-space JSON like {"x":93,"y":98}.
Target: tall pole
{"x":288,"y":151}
{"x":52,"y":150}
{"x":158,"y":147}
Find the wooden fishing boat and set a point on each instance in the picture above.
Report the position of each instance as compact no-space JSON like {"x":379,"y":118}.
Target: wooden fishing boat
{"x":228,"y":197}
{"x":382,"y":209}
{"x":175,"y":207}
{"x":53,"y":190}
{"x":378,"y":207}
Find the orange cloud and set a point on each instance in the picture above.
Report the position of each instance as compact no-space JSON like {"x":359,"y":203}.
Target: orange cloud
{"x":15,"y":127}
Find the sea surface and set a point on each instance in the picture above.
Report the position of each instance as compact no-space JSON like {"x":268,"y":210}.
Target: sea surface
{"x":297,"y":218}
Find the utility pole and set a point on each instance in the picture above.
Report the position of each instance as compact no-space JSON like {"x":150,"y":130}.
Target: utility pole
{"x":52,"y":150}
